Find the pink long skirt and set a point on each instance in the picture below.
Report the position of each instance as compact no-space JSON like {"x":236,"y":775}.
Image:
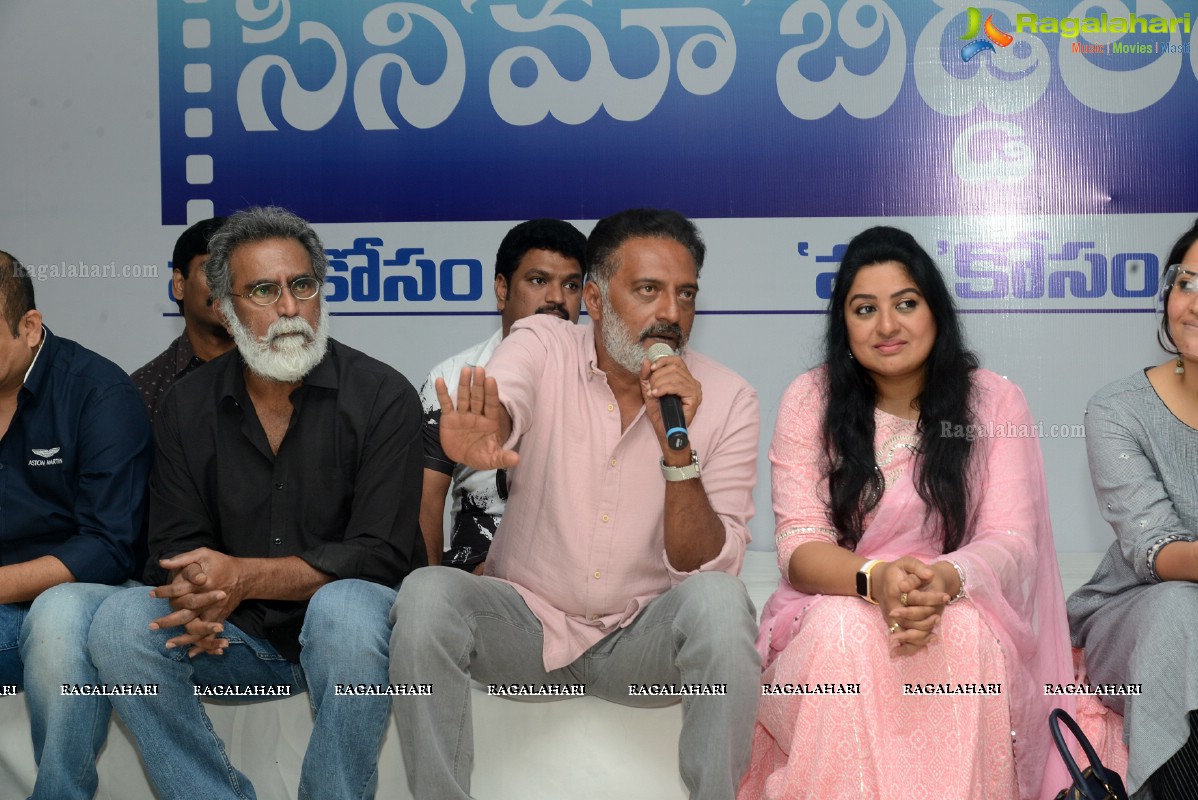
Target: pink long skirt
{"x":891,"y":740}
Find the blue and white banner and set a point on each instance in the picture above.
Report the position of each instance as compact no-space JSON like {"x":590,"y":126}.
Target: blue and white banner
{"x":478,"y":109}
{"x":1041,"y":151}
{"x":1076,"y":265}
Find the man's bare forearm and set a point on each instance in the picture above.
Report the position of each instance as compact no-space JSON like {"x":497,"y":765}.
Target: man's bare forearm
{"x":20,"y":583}
{"x":289,"y":578}
{"x":694,"y":533}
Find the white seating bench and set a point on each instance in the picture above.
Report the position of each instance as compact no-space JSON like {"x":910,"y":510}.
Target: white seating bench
{"x":529,"y":751}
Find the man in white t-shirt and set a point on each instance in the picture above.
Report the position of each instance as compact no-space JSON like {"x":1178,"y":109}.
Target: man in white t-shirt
{"x":539,"y":269}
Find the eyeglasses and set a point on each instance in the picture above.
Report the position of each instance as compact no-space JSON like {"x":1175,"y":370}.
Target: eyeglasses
{"x":1183,"y":277}
{"x":267,"y":294}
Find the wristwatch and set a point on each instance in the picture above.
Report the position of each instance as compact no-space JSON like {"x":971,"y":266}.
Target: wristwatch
{"x":687,"y":473}
{"x":864,"y":582}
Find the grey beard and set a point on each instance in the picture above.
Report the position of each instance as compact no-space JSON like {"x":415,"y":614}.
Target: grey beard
{"x":625,"y":349}
{"x":279,"y":357}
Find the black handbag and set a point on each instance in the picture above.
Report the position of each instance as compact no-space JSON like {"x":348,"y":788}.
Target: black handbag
{"x":1095,"y":782}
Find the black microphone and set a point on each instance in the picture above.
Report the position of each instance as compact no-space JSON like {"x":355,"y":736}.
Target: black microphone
{"x":671,"y":405}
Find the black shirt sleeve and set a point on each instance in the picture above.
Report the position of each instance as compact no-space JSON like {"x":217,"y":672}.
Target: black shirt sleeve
{"x":382,"y":541}
{"x":180,"y":520}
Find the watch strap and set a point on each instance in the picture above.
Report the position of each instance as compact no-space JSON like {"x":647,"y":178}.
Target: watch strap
{"x":865,"y":588}
{"x":687,"y":473}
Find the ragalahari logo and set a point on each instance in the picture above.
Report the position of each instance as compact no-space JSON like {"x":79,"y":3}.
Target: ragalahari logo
{"x":993,"y":34}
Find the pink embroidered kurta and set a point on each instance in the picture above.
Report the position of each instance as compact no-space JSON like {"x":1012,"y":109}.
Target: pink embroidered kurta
{"x":929,"y":725}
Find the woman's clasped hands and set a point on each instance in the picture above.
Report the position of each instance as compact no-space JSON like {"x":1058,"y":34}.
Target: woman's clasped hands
{"x":912,"y":596}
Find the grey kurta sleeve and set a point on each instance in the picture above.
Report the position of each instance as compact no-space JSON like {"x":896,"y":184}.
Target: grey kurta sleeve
{"x":1126,"y":475}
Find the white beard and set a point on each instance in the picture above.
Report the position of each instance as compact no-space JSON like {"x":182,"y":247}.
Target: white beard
{"x":625,"y":349}
{"x":290,"y":349}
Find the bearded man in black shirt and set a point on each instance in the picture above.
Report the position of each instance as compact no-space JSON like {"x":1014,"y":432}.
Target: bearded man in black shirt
{"x":283,"y":515}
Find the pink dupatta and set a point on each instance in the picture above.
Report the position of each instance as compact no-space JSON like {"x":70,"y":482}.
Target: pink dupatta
{"x":1010,"y":567}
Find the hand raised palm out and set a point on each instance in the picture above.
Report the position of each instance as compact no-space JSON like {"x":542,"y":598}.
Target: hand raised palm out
{"x":472,"y":431}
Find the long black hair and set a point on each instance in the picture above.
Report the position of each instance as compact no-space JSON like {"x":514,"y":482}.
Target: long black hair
{"x":855,"y":484}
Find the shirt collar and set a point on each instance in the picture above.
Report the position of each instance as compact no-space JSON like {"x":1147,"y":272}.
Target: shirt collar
{"x":591,"y":361}
{"x":324,"y":374}
{"x":35,"y":378}
{"x":184,"y":354}
{"x":231,"y":383}
{"x":591,"y":356}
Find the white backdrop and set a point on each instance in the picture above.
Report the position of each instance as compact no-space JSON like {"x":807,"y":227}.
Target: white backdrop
{"x":80,"y":183}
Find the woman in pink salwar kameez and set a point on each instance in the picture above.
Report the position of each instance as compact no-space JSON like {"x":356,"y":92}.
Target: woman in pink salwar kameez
{"x":904,"y":472}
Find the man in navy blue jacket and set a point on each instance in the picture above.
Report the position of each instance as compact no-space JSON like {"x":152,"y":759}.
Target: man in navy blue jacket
{"x":75,"y":453}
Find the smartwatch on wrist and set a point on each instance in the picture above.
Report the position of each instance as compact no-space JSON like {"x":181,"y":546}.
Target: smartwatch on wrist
{"x":865,"y":582}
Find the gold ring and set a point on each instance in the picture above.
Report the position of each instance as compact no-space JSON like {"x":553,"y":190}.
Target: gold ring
{"x":903,"y":598}
{"x":894,"y":628}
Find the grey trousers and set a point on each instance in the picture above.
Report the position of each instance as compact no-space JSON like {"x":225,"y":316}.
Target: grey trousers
{"x":450,"y":626}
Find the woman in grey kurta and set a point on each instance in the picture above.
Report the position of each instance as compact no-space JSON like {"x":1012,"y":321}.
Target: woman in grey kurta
{"x":1137,"y":618}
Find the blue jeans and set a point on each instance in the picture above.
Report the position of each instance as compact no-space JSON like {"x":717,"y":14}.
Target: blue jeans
{"x":344,"y":639}
{"x":12,"y":672}
{"x":43,"y":645}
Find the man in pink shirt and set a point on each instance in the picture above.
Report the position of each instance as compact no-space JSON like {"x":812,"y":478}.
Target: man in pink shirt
{"x":614,"y":566}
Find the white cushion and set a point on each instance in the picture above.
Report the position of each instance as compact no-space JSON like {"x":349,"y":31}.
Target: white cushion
{"x":580,"y":747}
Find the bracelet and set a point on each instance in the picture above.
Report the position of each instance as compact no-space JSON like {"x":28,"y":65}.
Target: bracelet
{"x":1156,"y":548}
{"x":961,"y":575}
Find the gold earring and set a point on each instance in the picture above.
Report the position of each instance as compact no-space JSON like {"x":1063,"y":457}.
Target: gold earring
{"x":1180,"y":369}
